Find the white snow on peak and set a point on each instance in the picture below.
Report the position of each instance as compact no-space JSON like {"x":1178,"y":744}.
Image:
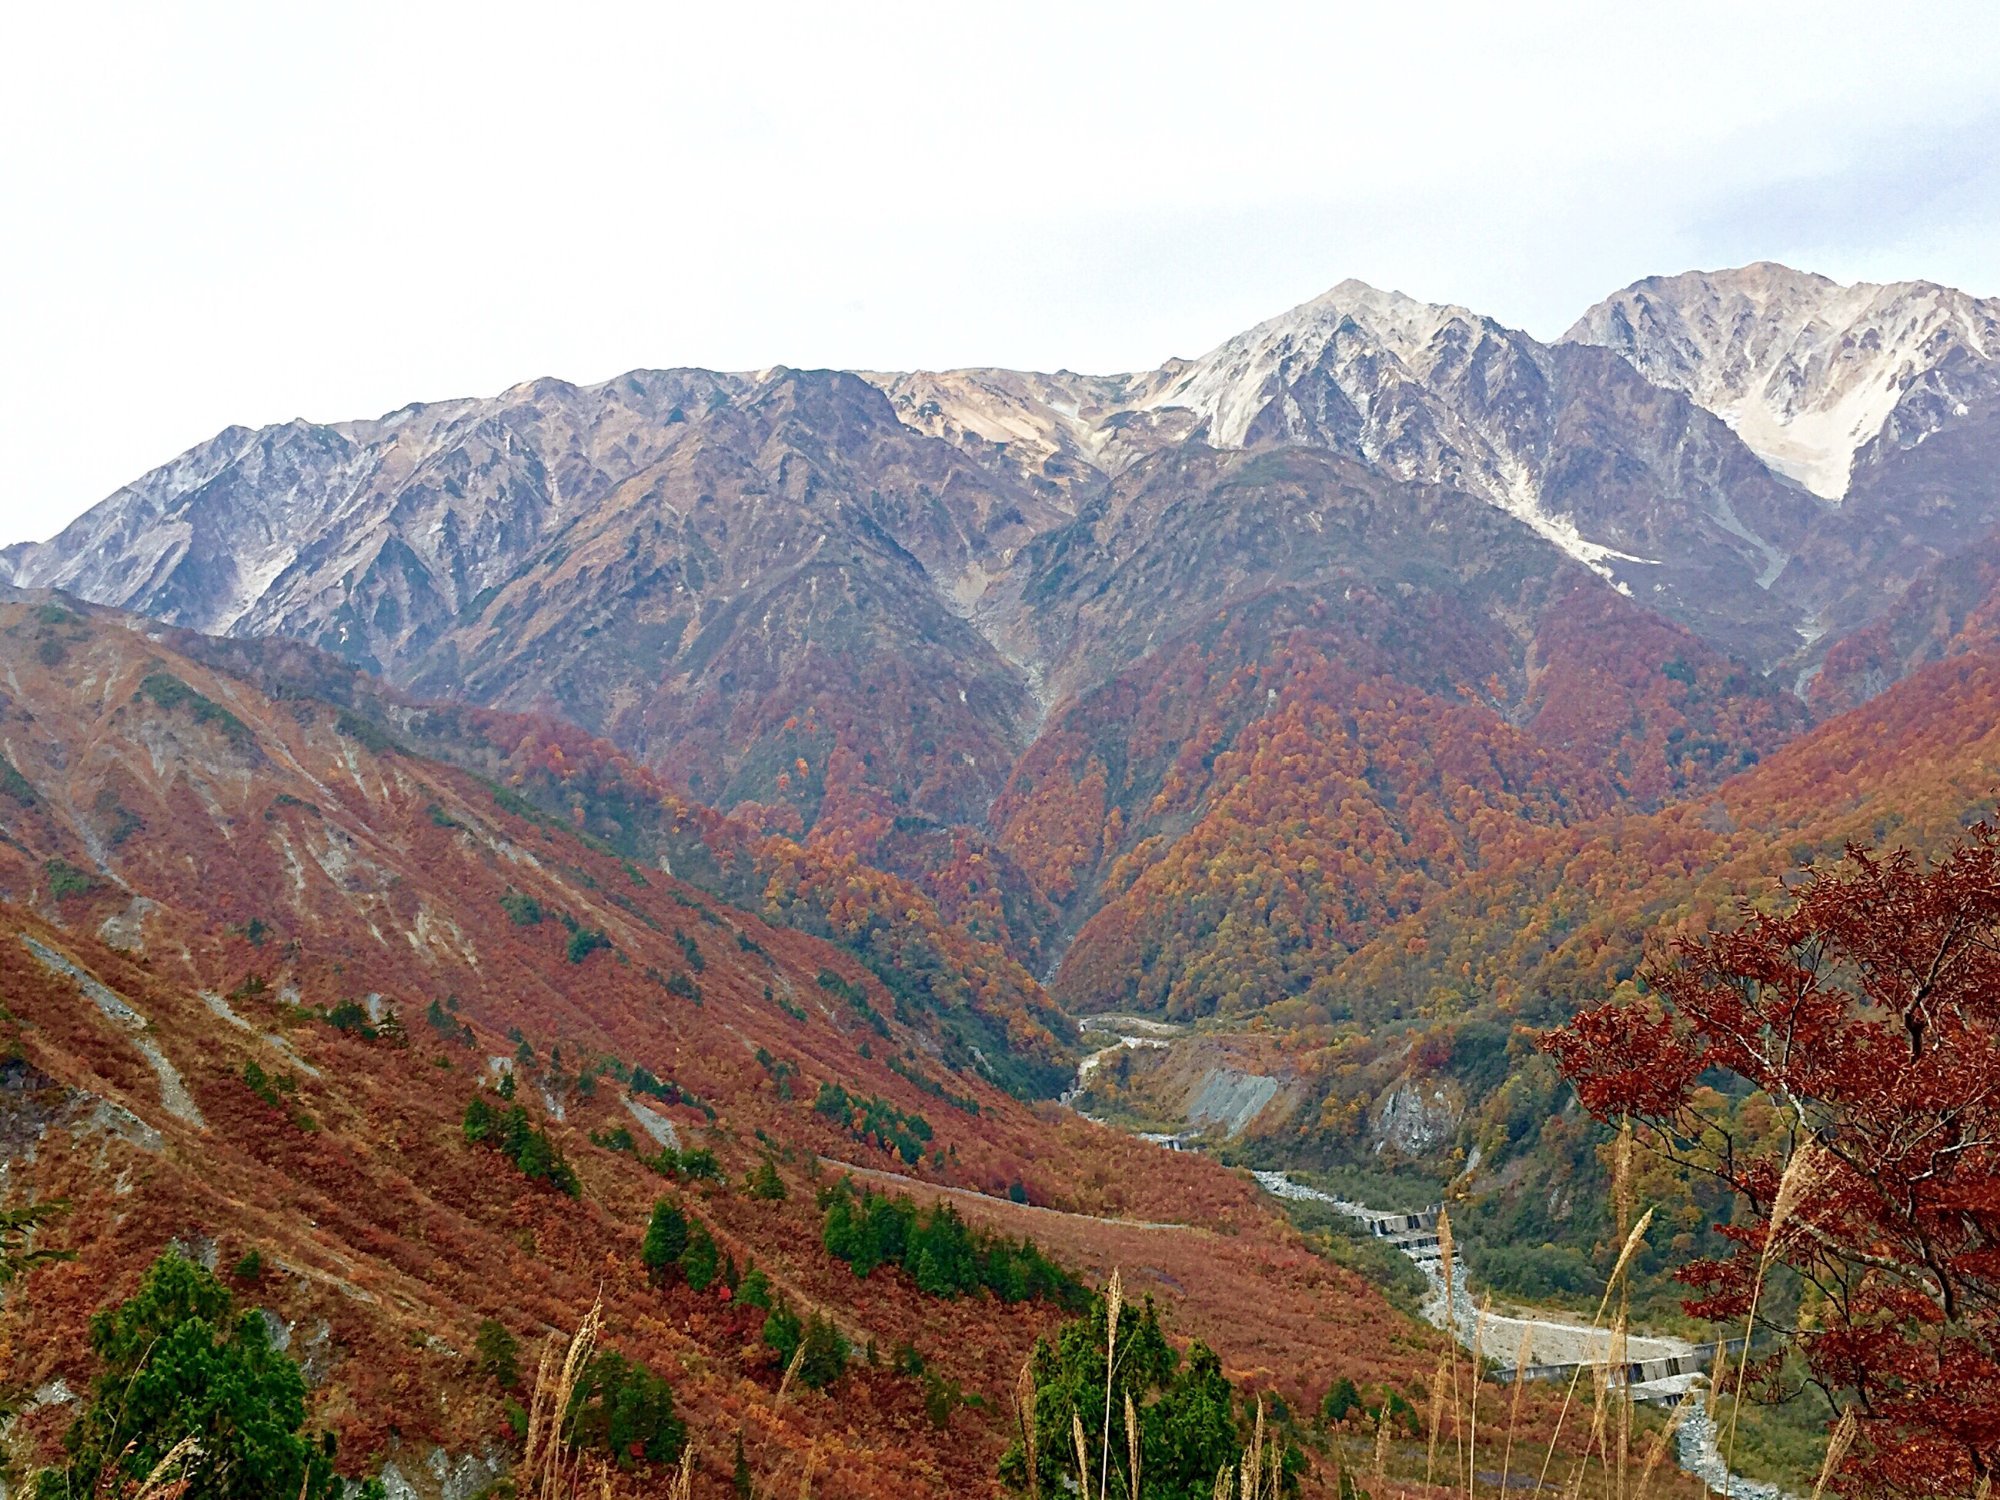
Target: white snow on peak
{"x":1808,"y":372}
{"x":1388,"y":343}
{"x":1230,"y":384}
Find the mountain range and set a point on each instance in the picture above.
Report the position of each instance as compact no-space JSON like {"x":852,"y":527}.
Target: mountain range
{"x":886,"y":613}
{"x":769,"y":764}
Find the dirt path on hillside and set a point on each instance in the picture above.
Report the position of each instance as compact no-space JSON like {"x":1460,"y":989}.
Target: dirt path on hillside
{"x":988,"y":1200}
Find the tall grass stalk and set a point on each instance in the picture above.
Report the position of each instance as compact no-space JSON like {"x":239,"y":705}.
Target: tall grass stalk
{"x":1521,"y":1354}
{"x":1802,"y":1174}
{"x":1478,"y":1367}
{"x":178,"y":1459}
{"x":1438,"y":1387}
{"x":1253,"y":1461}
{"x":1447,"y":1252}
{"x":1631,"y":1247}
{"x":1656,"y":1450}
{"x":1114,"y":1301}
{"x":1024,"y":1405}
{"x":1836,"y":1450}
{"x":548,"y":1466}
{"x":1132,"y":1447}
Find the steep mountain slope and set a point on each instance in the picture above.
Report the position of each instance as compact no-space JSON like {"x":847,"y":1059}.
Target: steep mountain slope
{"x":1818,"y":378}
{"x":1229,"y":820}
{"x":1607,"y":467}
{"x":681,"y":560}
{"x":1953,"y":606}
{"x":1882,"y":398}
{"x":990,"y":635}
{"x":678,"y":560}
{"x":1411,"y":1061}
{"x":258,"y":959}
{"x":1909,"y":767}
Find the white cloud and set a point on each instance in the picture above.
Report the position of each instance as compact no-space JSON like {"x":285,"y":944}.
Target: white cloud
{"x":242,"y":214}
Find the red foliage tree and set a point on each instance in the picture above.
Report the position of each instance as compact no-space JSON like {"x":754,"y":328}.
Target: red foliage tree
{"x":1868,"y":1009}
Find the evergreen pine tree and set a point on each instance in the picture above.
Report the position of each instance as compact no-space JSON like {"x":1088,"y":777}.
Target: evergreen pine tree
{"x":177,"y":1360}
{"x":666,"y":1240}
{"x":700,"y":1262}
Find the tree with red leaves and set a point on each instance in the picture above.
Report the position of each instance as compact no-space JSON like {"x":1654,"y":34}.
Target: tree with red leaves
{"x":1867,"y":1011}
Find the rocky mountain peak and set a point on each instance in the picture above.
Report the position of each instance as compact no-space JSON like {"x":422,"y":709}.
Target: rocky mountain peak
{"x":1809,"y":372}
{"x":1230,"y":385}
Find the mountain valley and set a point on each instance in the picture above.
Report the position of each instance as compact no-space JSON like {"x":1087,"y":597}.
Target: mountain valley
{"x":770,"y":768}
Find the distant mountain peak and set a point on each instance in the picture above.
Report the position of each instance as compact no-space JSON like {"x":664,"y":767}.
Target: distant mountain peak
{"x":1233,"y":382}
{"x":1808,"y":371}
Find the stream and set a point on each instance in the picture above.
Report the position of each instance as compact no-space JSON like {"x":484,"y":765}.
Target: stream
{"x":1661,"y":1368}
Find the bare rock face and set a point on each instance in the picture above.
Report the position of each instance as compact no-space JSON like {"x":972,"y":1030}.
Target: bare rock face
{"x":1607,"y":467}
{"x":1416,"y":1118}
{"x":912,"y":569}
{"x":1882,"y":399}
{"x":1229,"y":1100}
{"x":1819,"y":379}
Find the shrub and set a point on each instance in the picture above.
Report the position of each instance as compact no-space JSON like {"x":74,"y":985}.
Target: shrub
{"x":1342,"y":1401}
{"x":584,"y":941}
{"x":644,"y":1081}
{"x":617,"y":1138}
{"x":944,"y":1255}
{"x":169,"y":692}
{"x":875,"y":1119}
{"x":259,"y":1083}
{"x":783,"y":1331}
{"x":700,"y":1262}
{"x":448,"y":1026}
{"x":621,"y":1408}
{"x":691,"y":950}
{"x":175,"y":1359}
{"x":528,"y":1146}
{"x":522,"y":909}
{"x":826,"y":1351}
{"x":351,"y":1017}
{"x":15,"y":785}
{"x":497,"y":1354}
{"x":765,"y":1183}
{"x":364,"y":732}
{"x":1186,"y":1406}
{"x":66,"y":880}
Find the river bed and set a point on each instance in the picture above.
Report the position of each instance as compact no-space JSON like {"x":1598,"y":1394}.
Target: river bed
{"x":1557,"y":1347}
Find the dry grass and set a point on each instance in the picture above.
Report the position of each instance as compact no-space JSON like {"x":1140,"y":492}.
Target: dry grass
{"x":551,"y":1468}
{"x":1802,"y":1173}
{"x":170,"y":1478}
{"x":1514,"y":1405}
{"x":1024,"y":1411}
{"x":1627,"y":1461}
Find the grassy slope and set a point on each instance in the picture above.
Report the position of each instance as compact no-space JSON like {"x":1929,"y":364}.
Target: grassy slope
{"x":275,"y":845}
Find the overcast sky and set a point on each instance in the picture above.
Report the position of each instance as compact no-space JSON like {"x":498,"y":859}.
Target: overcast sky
{"x":214,"y":214}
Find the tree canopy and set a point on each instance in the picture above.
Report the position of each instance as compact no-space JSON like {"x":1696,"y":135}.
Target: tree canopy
{"x":1866,"y":1010}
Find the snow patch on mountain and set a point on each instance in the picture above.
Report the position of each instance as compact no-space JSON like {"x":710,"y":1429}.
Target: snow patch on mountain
{"x":1808,"y":372}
